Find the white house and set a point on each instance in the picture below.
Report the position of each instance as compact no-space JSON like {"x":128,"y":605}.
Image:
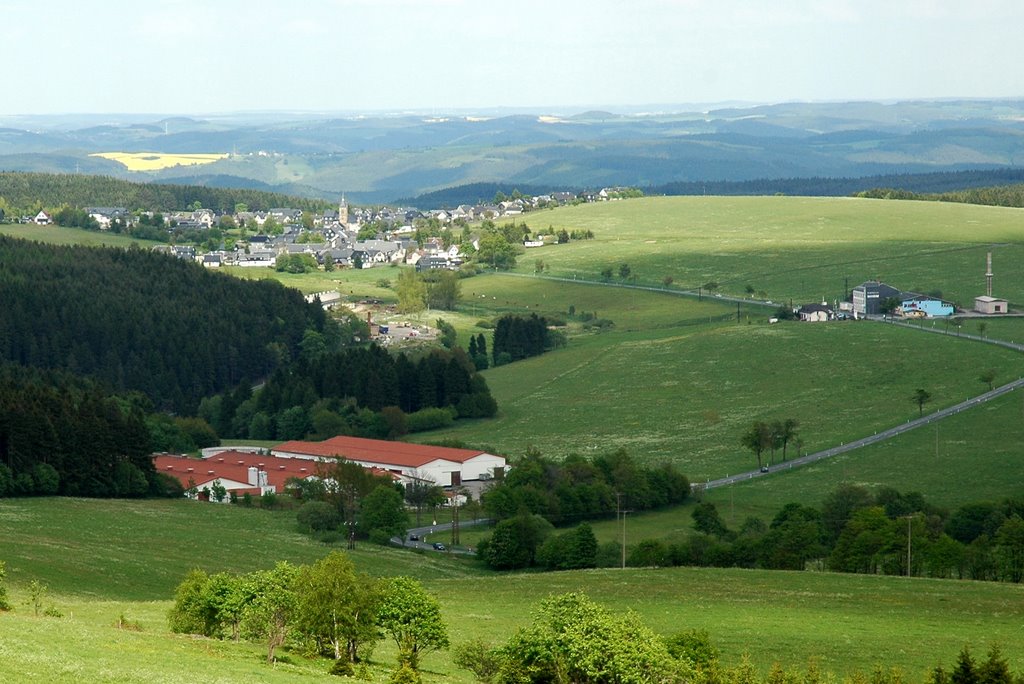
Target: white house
{"x":443,"y":465}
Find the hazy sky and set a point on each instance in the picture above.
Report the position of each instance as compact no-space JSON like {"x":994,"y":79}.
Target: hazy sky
{"x":206,"y":56}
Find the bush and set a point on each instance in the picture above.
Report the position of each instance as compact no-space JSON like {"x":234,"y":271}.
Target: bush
{"x":317,"y":516}
{"x":329,"y":537}
{"x":46,"y":479}
{"x":485,"y":325}
{"x":479,"y":657}
{"x":405,"y":675}
{"x":342,"y":668}
{"x":380,"y":537}
{"x":429,"y":419}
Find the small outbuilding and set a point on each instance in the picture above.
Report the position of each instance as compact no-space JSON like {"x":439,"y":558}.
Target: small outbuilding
{"x":991,"y":305}
{"x":815,"y":312}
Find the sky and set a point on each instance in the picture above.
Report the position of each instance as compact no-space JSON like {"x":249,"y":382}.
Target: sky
{"x":557,"y":56}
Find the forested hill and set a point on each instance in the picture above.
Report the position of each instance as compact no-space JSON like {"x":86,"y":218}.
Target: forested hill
{"x":144,"y":321}
{"x":26,"y":191}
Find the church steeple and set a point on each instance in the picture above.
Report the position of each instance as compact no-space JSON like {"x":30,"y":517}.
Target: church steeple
{"x":343,"y":211}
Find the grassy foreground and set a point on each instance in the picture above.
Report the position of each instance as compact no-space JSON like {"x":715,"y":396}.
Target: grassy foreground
{"x":846,"y":622}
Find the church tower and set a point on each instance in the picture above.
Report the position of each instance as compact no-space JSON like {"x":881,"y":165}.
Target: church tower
{"x":343,"y":212}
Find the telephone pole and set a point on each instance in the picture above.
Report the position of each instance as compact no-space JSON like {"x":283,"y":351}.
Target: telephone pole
{"x":619,"y":510}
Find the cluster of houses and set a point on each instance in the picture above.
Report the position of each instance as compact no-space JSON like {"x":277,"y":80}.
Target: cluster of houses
{"x":873,"y":297}
{"x":339,"y":230}
{"x":251,"y":470}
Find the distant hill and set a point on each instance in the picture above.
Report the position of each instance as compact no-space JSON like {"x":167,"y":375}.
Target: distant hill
{"x":381,"y":158}
{"x":473,"y":193}
{"x":25,"y":190}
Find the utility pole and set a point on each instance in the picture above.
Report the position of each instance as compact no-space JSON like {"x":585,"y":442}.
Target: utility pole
{"x":455,"y":518}
{"x":620,"y":511}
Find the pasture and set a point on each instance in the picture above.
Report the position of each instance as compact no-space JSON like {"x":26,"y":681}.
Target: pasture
{"x":60,"y":235}
{"x":686,"y":394}
{"x":105,"y":559}
{"x":156,"y":161}
{"x":798,"y":248}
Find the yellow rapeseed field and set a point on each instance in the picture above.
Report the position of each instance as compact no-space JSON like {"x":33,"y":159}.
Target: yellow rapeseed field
{"x":154,"y":161}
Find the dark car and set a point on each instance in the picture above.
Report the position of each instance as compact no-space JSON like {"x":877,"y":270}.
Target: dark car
{"x":414,"y":537}
{"x":764,"y":469}
{"x":438,"y":546}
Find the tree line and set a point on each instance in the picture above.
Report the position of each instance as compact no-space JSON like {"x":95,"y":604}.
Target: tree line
{"x":998,"y":196}
{"x":855,"y":530}
{"x":24,"y":193}
{"x":362,"y":391}
{"x":539,"y":492}
{"x":325,"y":609}
{"x":61,"y":434}
{"x":144,"y":321}
{"x":519,"y":337}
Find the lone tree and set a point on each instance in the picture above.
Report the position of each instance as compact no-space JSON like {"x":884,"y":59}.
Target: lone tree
{"x":337,"y":607}
{"x":758,"y":438}
{"x":412,"y":617}
{"x":921,"y":397}
{"x":988,"y":377}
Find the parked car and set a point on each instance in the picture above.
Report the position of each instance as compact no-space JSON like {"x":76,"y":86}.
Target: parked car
{"x":438,"y":546}
{"x":414,"y":537}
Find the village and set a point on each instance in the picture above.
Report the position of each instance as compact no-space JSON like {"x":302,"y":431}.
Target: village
{"x":349,"y":237}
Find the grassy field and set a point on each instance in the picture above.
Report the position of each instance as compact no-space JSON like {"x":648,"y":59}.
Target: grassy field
{"x":792,"y":247}
{"x":687,"y":394}
{"x":155,"y":161}
{"x":71,"y":236}
{"x":140,"y":550}
{"x":105,"y":559}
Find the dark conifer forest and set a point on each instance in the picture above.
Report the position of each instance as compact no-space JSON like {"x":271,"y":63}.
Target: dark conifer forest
{"x":143,"y":321}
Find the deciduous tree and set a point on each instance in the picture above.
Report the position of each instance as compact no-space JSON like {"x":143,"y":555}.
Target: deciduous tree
{"x":335,"y":606}
{"x":412,"y":618}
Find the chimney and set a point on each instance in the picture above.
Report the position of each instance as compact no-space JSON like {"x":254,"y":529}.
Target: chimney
{"x":988,"y":276}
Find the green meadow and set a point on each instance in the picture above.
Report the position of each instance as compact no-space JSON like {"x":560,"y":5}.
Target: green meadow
{"x":796,"y":248}
{"x":71,"y":236}
{"x":108,"y":560}
{"x":686,"y":394}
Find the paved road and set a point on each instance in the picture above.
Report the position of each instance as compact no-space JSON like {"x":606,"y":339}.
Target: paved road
{"x":891,"y":432}
{"x":428,"y":534}
{"x":650,"y":288}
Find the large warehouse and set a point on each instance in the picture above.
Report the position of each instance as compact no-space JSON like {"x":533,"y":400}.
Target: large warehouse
{"x":443,"y":465}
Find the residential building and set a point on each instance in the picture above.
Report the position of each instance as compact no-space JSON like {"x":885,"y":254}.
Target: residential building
{"x":869,"y":296}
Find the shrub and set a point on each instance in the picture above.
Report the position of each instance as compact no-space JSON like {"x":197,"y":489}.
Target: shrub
{"x":484,"y":324}
{"x":405,"y":675}
{"x":429,"y":419}
{"x":379,"y":536}
{"x":479,"y":657}
{"x":342,"y":668}
{"x":317,"y":516}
